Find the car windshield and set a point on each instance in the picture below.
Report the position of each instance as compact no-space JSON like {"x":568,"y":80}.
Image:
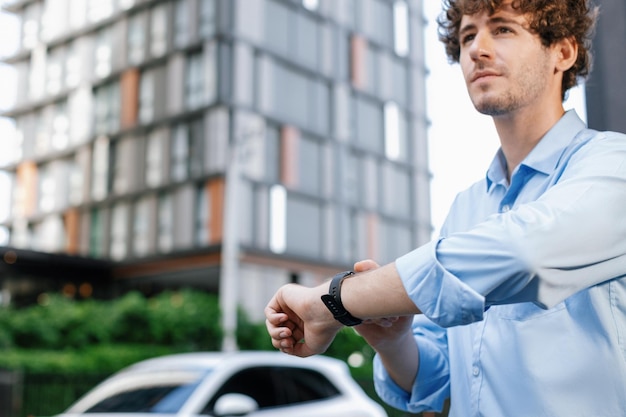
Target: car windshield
{"x":147,"y":392}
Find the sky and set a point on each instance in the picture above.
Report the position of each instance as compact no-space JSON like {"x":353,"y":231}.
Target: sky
{"x":462,"y":142}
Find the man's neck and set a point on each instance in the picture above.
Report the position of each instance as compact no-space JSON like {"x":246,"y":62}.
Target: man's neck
{"x":519,"y":132}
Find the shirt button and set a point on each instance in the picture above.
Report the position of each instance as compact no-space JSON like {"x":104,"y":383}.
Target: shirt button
{"x":475,"y":371}
{"x":506,"y":208}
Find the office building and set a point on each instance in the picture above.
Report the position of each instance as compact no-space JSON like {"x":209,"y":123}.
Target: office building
{"x":229,"y":145}
{"x":605,"y":89}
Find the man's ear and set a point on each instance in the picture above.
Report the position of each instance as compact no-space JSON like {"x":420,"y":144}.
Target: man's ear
{"x":567,"y":53}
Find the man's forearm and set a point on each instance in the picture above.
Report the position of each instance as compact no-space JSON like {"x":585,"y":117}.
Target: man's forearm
{"x":377,"y":293}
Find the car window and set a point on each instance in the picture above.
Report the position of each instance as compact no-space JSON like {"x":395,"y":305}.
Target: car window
{"x":276,"y":386}
{"x":303,"y":385}
{"x":152,"y":392}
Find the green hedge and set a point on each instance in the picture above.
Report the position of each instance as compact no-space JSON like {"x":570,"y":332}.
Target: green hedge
{"x":64,"y":335}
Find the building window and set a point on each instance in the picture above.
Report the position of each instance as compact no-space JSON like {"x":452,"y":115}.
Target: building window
{"x":301,"y":161}
{"x":303,"y":226}
{"x":6,"y":184}
{"x":158,"y":30}
{"x":136,"y":39}
{"x":369,"y":185}
{"x":47,"y":189}
{"x":396,"y":190}
{"x":207,"y":15}
{"x":310,"y":4}
{"x":349,"y":171}
{"x":100,"y":168}
{"x":293,"y":96}
{"x":43,"y":123}
{"x":103,"y":53}
{"x":376,"y":21}
{"x":146,"y":96}
{"x":181,"y":23}
{"x":107,"y":109}
{"x":53,"y":19}
{"x":392,"y":131}
{"x":395,"y":240}
{"x":307,"y":41}
{"x":369,"y":125}
{"x":99,"y":9}
{"x":278,"y":219}
{"x":294,"y":35}
{"x":76,"y":182}
{"x":196,"y":148}
{"x":73,"y":65}
{"x":30,"y":25}
{"x":54,"y":71}
{"x":125,"y":4}
{"x":96,"y":233}
{"x":49,"y":235}
{"x":155,"y":157}
{"x":22,"y":234}
{"x":117,"y":182}
{"x":201,"y":77}
{"x":165,"y":227}
{"x":179,"y":162}
{"x":77,"y":13}
{"x":118,"y":249}
{"x":401,"y":28}
{"x":60,"y":126}
{"x":203,"y":216}
{"x":277,"y":17}
{"x":142,"y":225}
{"x":187,"y":150}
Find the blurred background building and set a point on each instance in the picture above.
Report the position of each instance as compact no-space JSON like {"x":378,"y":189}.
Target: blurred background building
{"x":229,"y":145}
{"x":605,"y":89}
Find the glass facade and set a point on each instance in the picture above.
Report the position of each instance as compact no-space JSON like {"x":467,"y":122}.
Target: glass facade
{"x":128,"y":112}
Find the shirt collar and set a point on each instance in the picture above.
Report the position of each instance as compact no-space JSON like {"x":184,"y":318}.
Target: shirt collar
{"x":545,"y":155}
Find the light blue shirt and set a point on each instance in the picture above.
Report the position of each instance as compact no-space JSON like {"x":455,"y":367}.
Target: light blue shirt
{"x":524,"y":293}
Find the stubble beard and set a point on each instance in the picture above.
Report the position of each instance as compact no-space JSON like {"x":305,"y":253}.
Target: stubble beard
{"x":531,"y":81}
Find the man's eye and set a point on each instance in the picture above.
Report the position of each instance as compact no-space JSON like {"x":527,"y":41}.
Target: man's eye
{"x":467,"y":38}
{"x":503,"y":29}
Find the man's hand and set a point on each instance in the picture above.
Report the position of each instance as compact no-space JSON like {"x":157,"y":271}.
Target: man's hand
{"x":298,"y":322}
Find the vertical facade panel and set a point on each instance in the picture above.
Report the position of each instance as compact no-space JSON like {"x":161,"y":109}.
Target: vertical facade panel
{"x":289,"y":139}
{"x":27,"y":188}
{"x":358,"y":59}
{"x":72,"y":221}
{"x":215,"y":193}
{"x":129,"y":85}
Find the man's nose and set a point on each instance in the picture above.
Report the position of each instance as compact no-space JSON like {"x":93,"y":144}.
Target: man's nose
{"x":481,"y":46}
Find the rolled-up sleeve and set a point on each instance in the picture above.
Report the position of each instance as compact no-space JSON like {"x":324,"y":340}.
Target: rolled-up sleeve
{"x":432,"y":386}
{"x":441,"y":296}
{"x":569,"y":238}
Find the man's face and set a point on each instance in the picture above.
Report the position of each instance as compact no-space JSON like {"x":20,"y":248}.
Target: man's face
{"x":506,"y":68}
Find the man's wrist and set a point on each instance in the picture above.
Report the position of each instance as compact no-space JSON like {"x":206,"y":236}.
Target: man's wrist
{"x":332,"y":301}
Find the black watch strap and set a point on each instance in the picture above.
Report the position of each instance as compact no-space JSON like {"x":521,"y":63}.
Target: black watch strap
{"x":332,"y":300}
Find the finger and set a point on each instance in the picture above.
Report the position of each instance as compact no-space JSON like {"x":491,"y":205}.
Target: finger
{"x":365,"y":265}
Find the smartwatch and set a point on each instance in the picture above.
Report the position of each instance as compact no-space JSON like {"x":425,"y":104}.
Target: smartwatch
{"x":332,"y":301}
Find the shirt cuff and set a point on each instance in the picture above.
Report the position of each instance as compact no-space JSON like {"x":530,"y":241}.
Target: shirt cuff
{"x":430,"y":390}
{"x":440,"y":296}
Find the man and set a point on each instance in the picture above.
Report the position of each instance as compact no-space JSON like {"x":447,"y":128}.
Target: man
{"x":520,"y":305}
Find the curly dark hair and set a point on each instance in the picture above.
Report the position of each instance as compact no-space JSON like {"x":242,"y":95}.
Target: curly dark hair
{"x":552,"y":20}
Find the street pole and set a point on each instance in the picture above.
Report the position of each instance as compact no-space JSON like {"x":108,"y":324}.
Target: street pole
{"x":229,"y":275}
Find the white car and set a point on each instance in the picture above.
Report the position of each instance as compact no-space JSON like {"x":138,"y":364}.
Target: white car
{"x":250,"y":384}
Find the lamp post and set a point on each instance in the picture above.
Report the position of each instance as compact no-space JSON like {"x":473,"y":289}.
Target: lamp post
{"x":229,"y":274}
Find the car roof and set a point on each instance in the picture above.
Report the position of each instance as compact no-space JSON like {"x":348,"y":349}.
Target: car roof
{"x":214,"y":360}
